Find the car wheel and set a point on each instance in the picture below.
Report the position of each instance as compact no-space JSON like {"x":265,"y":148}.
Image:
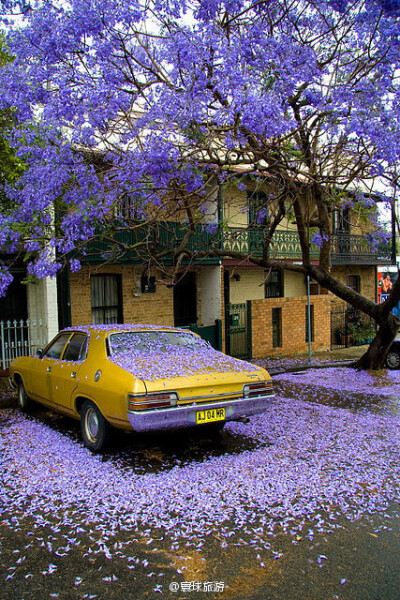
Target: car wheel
{"x":94,"y":428}
{"x":393,"y":359}
{"x":24,"y":402}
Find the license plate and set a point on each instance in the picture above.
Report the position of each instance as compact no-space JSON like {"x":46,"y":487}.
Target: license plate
{"x":210,"y":415}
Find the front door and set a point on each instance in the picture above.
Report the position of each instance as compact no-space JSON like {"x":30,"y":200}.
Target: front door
{"x":185,"y":300}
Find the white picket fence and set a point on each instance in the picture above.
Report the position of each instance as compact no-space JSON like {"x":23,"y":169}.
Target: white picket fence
{"x":20,"y":338}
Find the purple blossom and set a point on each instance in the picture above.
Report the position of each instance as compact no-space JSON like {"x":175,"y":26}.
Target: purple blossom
{"x":319,"y":238}
{"x":211,"y":228}
{"x":5,"y":279}
{"x":95,"y":123}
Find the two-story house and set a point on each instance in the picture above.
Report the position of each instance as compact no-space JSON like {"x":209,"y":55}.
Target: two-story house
{"x":236,"y":305}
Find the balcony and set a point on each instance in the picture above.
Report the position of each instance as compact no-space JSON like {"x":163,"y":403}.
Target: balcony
{"x":160,"y":237}
{"x":346,"y":248}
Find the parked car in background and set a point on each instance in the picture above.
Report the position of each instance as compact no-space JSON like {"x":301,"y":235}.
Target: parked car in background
{"x":139,"y":378}
{"x":393,"y":358}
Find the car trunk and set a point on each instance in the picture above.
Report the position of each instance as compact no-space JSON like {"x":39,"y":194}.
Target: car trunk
{"x":202,"y":387}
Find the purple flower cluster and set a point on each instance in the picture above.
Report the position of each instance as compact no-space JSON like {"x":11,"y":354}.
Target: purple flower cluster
{"x":101,"y":115}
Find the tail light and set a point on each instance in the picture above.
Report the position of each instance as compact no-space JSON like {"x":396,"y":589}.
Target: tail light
{"x":259,"y":388}
{"x":149,"y":401}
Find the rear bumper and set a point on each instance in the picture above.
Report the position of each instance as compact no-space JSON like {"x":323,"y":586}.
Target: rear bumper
{"x":185,"y":416}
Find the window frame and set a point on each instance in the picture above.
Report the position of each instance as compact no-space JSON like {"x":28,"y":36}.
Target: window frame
{"x":255,"y":201}
{"x":103,"y":308}
{"x":278,"y":284}
{"x":276,"y":322}
{"x":82,"y":349}
{"x":62,"y":334}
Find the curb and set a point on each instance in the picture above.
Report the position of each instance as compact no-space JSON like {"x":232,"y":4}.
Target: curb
{"x":274,"y":372}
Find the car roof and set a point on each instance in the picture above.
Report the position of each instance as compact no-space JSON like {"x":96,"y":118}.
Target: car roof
{"x":115,"y":327}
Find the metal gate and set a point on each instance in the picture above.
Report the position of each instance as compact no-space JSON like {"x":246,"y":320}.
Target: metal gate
{"x":238,"y":329}
{"x":342,"y":321}
{"x":20,"y":338}
{"x":339,"y":329}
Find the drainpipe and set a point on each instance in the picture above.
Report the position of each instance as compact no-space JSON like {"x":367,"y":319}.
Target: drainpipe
{"x":308,"y":319}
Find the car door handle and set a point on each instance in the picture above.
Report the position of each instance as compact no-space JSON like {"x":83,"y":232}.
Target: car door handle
{"x":48,"y":369}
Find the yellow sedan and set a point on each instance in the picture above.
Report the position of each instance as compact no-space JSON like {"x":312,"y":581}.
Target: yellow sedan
{"x":139,"y":378}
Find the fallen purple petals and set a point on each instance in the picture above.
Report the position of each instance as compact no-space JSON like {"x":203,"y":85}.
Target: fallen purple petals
{"x":311,"y":466}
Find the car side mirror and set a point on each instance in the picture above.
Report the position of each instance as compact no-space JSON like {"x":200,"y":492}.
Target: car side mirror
{"x":39,"y":353}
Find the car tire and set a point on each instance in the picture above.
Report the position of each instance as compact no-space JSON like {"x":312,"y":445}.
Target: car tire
{"x":393,"y":359}
{"x":24,"y":402}
{"x":96,"y":431}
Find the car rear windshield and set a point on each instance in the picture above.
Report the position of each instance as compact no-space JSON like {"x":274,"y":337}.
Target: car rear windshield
{"x":153,"y":342}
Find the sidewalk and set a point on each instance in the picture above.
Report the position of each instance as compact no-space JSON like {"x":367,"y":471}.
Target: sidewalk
{"x":285,"y":364}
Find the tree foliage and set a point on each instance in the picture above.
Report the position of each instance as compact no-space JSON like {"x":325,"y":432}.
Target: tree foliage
{"x":164,"y":101}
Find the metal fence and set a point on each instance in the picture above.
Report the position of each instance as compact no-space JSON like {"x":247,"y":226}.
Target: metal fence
{"x":350,"y":328}
{"x":20,"y":338}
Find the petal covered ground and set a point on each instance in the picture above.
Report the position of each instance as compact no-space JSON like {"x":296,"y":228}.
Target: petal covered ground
{"x":310,"y":465}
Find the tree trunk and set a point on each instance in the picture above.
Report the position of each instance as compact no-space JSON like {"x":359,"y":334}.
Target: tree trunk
{"x":374,"y":358}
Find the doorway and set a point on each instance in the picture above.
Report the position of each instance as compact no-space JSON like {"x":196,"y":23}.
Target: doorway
{"x":185,"y":300}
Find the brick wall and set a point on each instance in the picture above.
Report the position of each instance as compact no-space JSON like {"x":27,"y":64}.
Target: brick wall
{"x":367,"y":274}
{"x":154,"y":308}
{"x":293,"y":325}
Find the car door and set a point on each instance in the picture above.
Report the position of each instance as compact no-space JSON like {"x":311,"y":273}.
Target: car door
{"x":41,"y":374}
{"x":64,"y":374}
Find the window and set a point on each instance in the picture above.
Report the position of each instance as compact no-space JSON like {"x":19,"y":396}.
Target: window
{"x":312,"y":322}
{"x":258,"y":210}
{"x":76,"y":348}
{"x":106,"y":292}
{"x":56,"y":348}
{"x":274,"y":284}
{"x":341,"y":221}
{"x":276,"y":327}
{"x":354,"y":282}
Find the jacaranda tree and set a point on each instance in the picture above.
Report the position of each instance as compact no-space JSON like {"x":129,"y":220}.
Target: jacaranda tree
{"x":161,"y":102}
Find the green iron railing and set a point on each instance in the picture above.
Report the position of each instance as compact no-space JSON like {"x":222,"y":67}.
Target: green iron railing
{"x":346,"y":248}
{"x":162,"y":237}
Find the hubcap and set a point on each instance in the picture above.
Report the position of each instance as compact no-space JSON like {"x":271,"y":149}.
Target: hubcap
{"x":92,"y":424}
{"x":393,"y":360}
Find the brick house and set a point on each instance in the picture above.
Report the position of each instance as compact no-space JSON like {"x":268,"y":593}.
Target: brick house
{"x":231,"y":303}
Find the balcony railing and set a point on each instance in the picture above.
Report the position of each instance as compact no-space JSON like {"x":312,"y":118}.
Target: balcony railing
{"x":346,"y":248}
{"x":161,"y":237}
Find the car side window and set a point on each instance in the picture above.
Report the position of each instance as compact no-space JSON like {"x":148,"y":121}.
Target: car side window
{"x":76,"y":347}
{"x":56,"y":348}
